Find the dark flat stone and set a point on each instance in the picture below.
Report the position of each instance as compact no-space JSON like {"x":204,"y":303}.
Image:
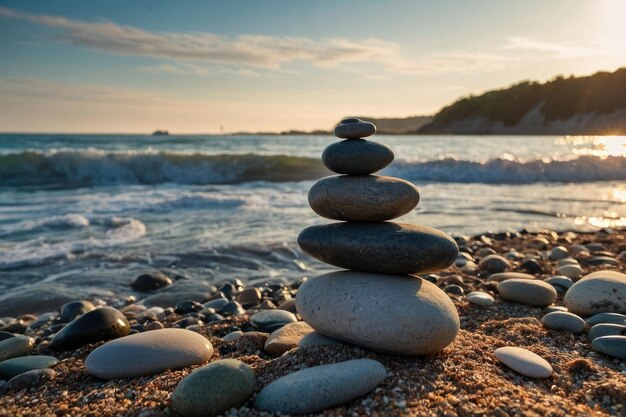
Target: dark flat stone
{"x":355,"y":130}
{"x":95,"y":326}
{"x":387,"y":248}
{"x":357,"y":156}
{"x":365,"y":198}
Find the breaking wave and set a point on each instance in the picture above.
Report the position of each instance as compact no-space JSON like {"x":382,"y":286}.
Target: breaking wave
{"x":93,"y":168}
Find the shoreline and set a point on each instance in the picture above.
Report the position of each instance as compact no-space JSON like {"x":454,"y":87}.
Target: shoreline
{"x":463,"y":379}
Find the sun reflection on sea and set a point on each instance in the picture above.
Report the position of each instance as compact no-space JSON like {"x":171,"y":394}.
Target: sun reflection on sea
{"x":601,"y":146}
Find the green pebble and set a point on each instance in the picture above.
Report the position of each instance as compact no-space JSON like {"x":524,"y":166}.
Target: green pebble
{"x":19,"y":365}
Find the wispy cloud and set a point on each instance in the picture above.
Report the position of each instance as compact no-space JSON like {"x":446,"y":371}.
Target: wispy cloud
{"x":253,"y":52}
{"x":554,"y":49}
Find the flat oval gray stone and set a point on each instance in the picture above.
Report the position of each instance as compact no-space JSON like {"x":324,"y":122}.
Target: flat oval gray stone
{"x":395,"y":314}
{"x":494,"y":263}
{"x":286,"y":338}
{"x":598,"y":292}
{"x":16,"y":346}
{"x":524,"y":362}
{"x":19,"y":365}
{"x":357,"y":157}
{"x":570,"y":271}
{"x":614,"y":346}
{"x":214,"y":389}
{"x":318,"y":339}
{"x":388,"y":248}
{"x":100,"y":324}
{"x":363,"y":198}
{"x":74,"y":309}
{"x":148,"y":353}
{"x":268,"y":318}
{"x":528,"y":292}
{"x":606,"y":329}
{"x":607,"y":318}
{"x":561,"y":283}
{"x":29,"y":379}
{"x":561,"y":320}
{"x":315,"y":389}
{"x":480,"y":298}
{"x":503,"y":276}
{"x":355,"y":130}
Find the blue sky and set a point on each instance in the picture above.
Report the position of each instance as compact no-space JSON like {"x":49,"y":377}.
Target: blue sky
{"x":193,"y":66}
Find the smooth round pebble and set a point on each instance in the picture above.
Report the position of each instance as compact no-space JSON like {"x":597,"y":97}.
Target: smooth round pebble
{"x":558,"y":252}
{"x":561,"y":320}
{"x":560,"y":282}
{"x":148,"y":353}
{"x":318,"y":388}
{"x":614,"y":346}
{"x":286,"y":338}
{"x":480,"y":298}
{"x":395,"y":314}
{"x":16,"y":346}
{"x":30,"y":379}
{"x":494,"y":263}
{"x":524,"y":362}
{"x":357,"y":157}
{"x":355,"y":130}
{"x":73,"y":309}
{"x":151,"y":281}
{"x":382,"y":247}
{"x":232,"y":336}
{"x":95,"y":326}
{"x":615,"y":318}
{"x":606,"y":329}
{"x":214,"y":388}
{"x":598,"y":292}
{"x":528,"y":292}
{"x":318,"y":339}
{"x":266,"y":319}
{"x":503,"y":276}
{"x":19,"y":365}
{"x":362,"y":198}
{"x":570,"y":271}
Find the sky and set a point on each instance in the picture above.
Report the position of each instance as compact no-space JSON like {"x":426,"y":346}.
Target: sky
{"x":225,"y":66}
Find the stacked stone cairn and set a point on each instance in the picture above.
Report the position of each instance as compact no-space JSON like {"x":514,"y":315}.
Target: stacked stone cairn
{"x":378,"y":302}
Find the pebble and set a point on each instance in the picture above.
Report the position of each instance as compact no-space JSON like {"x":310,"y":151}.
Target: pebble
{"x":97,"y":325}
{"x":232,"y":336}
{"x":606,"y":329}
{"x":214,"y":389}
{"x":567,"y":261}
{"x":187,"y":306}
{"x":318,"y":339}
{"x":494,"y":263}
{"x":524,"y":362}
{"x":354,"y":129}
{"x":74,"y":309}
{"x":614,"y":318}
{"x":553,"y":308}
{"x":231,"y":308}
{"x":5,"y":335}
{"x":357,"y":157}
{"x":560,"y":320}
{"x":531,"y":266}
{"x":600,"y":260}
{"x":371,"y":310}
{"x":16,"y":346}
{"x":614,"y":346}
{"x":528,"y":292}
{"x":363,"y":198}
{"x":570,"y":271}
{"x":455,"y":290}
{"x":194,"y":290}
{"x":558,"y":252}
{"x":148,"y":353}
{"x":29,"y":379}
{"x":250,"y":297}
{"x":216,"y":303}
{"x":503,"y":276}
{"x":151,"y":281}
{"x":154,"y":325}
{"x":539,"y":243}
{"x":598,"y":292}
{"x":388,"y":248}
{"x":315,"y":389}
{"x":286,"y":338}
{"x":266,"y":319}
{"x":480,"y":298}
{"x":19,"y":365}
{"x":561,"y":283}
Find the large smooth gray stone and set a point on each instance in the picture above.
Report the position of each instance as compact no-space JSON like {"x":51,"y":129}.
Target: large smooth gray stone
{"x":387,"y":248}
{"x":357,"y":157}
{"x":354,"y":129}
{"x":363,"y":198}
{"x":606,"y":329}
{"x":214,"y":389}
{"x":148,"y":353}
{"x":527,"y":291}
{"x":315,"y":389}
{"x":95,"y":326}
{"x":614,"y":346}
{"x":598,"y":292}
{"x":19,"y":365}
{"x":562,"y":320}
{"x":393,"y":314}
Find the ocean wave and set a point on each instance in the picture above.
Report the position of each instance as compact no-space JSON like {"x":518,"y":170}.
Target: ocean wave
{"x":91,"y":168}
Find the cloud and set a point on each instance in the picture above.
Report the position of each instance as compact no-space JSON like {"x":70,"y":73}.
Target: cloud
{"x":555,"y":49}
{"x":253,"y":52}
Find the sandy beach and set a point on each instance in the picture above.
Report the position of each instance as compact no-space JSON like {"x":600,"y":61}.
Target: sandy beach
{"x":464,"y":379}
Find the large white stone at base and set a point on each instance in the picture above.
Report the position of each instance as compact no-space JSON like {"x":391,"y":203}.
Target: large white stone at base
{"x":397,"y":314}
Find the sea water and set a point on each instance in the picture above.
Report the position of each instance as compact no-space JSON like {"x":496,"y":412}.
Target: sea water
{"x":84,"y":214}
